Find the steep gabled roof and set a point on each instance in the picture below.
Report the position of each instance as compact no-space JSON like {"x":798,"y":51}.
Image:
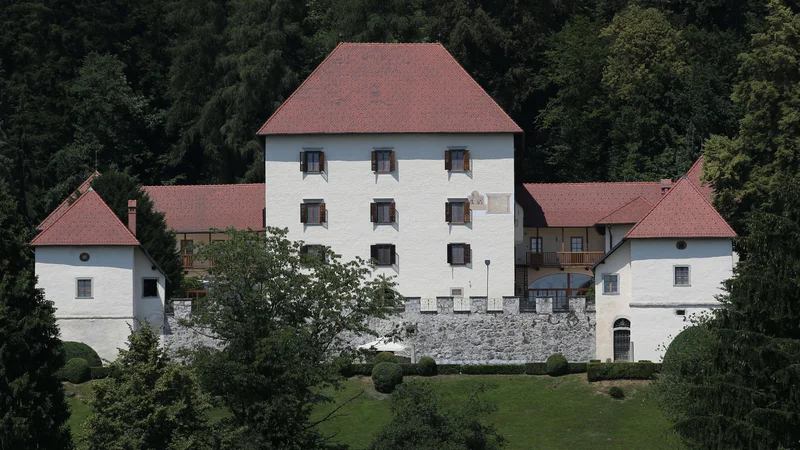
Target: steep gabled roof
{"x":56,"y":213}
{"x":694,"y":176}
{"x":684,"y":212}
{"x":630,"y":212}
{"x":88,"y":221}
{"x":202,"y":208}
{"x":579,"y":204}
{"x":389,"y":88}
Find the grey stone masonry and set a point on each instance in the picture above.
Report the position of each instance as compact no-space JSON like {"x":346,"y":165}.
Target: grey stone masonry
{"x":179,"y":337}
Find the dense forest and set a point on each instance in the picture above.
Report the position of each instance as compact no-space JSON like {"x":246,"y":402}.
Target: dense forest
{"x":173,"y":92}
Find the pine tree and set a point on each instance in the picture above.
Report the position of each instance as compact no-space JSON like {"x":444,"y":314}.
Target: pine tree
{"x":33,"y":412}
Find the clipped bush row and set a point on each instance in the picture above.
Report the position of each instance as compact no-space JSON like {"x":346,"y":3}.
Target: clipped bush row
{"x":642,"y":370}
{"x":493,"y":369}
{"x":428,"y":367}
{"x":74,"y":350}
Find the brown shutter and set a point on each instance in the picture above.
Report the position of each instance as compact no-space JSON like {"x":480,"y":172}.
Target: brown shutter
{"x":322,"y":161}
{"x":448,"y":163}
{"x":467,"y":212}
{"x":392,"y":258}
{"x":323,"y":215}
{"x":392,"y":213}
{"x":373,"y":212}
{"x":448,"y":212}
{"x":449,"y":253}
{"x":374,"y":161}
{"x":466,"y":159}
{"x":303,"y":165}
{"x":467,"y":254}
{"x":392,"y":161}
{"x":373,"y":252}
{"x":303,"y":213}
{"x":304,"y":249}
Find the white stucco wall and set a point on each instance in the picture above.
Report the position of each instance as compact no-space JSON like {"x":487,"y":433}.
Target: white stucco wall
{"x":610,"y":307}
{"x":148,"y":308}
{"x":420,"y":187}
{"x":615,"y":233}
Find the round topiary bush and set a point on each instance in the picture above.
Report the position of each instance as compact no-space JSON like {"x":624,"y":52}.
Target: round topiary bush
{"x":383,"y":357}
{"x":687,"y":361}
{"x":74,"y":350}
{"x":426,"y":366}
{"x":616,"y":392}
{"x":386,"y":376}
{"x":76,"y":371}
{"x":557,"y":365}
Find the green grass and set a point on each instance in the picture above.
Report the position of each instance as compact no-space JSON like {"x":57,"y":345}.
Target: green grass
{"x":533,"y":412}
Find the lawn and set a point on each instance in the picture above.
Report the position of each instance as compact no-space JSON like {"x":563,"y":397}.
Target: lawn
{"x":533,"y":411}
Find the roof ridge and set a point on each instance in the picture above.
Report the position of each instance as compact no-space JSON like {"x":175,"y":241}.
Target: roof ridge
{"x":338,"y":46}
{"x":584,"y":183}
{"x":200,"y":185}
{"x":708,"y":202}
{"x":636,"y":225}
{"x":87,"y":180}
{"x":638,"y":197}
{"x":389,"y":43}
{"x":117,"y":218}
{"x":77,"y":200}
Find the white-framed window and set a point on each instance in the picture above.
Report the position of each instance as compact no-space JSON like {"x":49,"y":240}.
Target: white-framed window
{"x":610,"y":283}
{"x":83,"y":288}
{"x":682,"y":276}
{"x":150,"y":287}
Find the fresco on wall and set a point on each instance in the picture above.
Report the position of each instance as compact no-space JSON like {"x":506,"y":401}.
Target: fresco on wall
{"x":490,"y":203}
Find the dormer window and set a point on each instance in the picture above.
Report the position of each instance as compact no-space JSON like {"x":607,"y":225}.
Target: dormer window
{"x":456,"y":160}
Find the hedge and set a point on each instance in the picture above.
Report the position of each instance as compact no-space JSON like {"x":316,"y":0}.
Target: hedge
{"x":493,"y":369}
{"x":577,"y":367}
{"x":80,"y":350}
{"x":409,"y":369}
{"x":448,"y":369}
{"x":99,"y":373}
{"x":76,"y":371}
{"x":384,"y":357}
{"x":642,"y":370}
{"x":351,"y":370}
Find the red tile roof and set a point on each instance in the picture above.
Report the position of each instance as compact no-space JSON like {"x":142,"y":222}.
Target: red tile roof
{"x":683,"y":213}
{"x":65,"y":204}
{"x":88,"y":221}
{"x":694,"y":174}
{"x":389,"y":88}
{"x":579,"y":204}
{"x":202,"y":208}
{"x":630,"y":212}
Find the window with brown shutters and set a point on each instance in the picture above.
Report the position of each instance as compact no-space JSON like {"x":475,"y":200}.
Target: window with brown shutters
{"x":383,"y":161}
{"x":315,"y":250}
{"x":459,"y":254}
{"x":458,"y":212}
{"x":313,"y":213}
{"x":456,"y":160}
{"x":383,"y":254}
{"x":312,"y":162}
{"x":383,"y":212}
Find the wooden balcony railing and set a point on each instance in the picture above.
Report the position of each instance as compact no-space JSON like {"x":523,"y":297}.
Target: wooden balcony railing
{"x":563,"y":259}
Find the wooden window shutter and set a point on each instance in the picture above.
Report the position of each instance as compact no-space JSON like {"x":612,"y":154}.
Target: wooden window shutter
{"x":392,"y":161}
{"x":467,"y":212}
{"x":449,"y":253}
{"x":303,"y":213}
{"x":374,"y":162}
{"x":467,"y":254}
{"x":448,"y":163}
{"x":392,"y":213}
{"x":322,"y":161}
{"x":448,"y":212}
{"x":304,"y":249}
{"x":323,"y":215}
{"x":373,"y":212}
{"x":466,"y":159}
{"x":303,"y":162}
{"x":373,"y":252}
{"x":392,"y":254}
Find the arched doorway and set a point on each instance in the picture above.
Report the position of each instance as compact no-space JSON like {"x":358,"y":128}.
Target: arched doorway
{"x":622,"y":340}
{"x":560,"y":287}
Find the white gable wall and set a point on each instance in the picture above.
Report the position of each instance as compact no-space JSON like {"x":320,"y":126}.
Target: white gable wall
{"x":148,"y":308}
{"x":420,"y":187}
{"x":611,"y":307}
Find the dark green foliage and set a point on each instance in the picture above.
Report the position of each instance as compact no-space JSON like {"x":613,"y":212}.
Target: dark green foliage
{"x":33,"y":413}
{"x":538,"y":368}
{"x":577,"y":367}
{"x":409,"y":369}
{"x":492,"y":369}
{"x":98,"y":373}
{"x":448,"y":369}
{"x":419,"y":422}
{"x":616,"y":392}
{"x":351,"y":370}
{"x":386,"y":376}
{"x":116,"y":188}
{"x":80,"y":350}
{"x":620,"y":371}
{"x":557,"y":365}
{"x":76,"y":371}
{"x":147,"y":401}
{"x":384,"y":357}
{"x":426,"y":366}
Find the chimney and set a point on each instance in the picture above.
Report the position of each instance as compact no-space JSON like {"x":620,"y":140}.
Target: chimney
{"x":132,"y":216}
{"x":666,"y":183}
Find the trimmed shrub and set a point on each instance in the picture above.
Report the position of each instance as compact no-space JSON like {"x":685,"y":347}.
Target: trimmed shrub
{"x":383,"y":357}
{"x":80,"y":350}
{"x":386,"y":376}
{"x":688,"y":361}
{"x":577,"y":367}
{"x":557,"y":365}
{"x":620,"y":371}
{"x":616,"y":392}
{"x":426,"y":366}
{"x":448,"y":369}
{"x":537,"y":368}
{"x":98,"y":373}
{"x":76,"y":371}
{"x":493,"y":369}
{"x":409,"y":369}
{"x":594,"y":361}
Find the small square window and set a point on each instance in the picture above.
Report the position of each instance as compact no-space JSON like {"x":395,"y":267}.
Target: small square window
{"x":682,"y":277}
{"x":313,"y":162}
{"x":458,"y":212}
{"x":536,"y":244}
{"x":84,"y":288}
{"x":384,"y":212}
{"x":150,"y":287}
{"x":458,"y":254}
{"x":610,"y":283}
{"x":382,"y":161}
{"x":383,"y":254}
{"x":313,"y":213}
{"x":457,"y":160}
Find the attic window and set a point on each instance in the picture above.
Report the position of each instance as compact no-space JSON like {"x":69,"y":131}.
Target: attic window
{"x":84,"y":257}
{"x":681,"y":245}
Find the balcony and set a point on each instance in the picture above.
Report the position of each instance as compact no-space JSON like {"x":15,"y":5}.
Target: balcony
{"x":563,"y":259}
